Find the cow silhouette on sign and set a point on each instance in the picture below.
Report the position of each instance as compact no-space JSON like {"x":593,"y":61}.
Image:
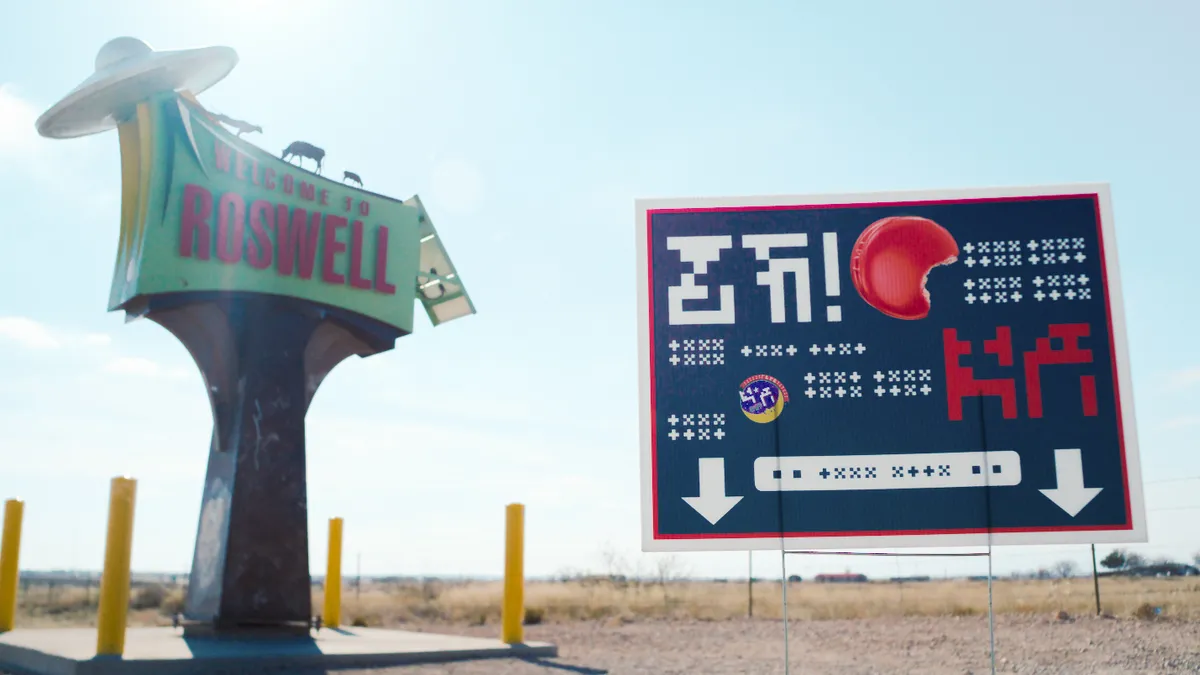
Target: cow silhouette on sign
{"x":242,"y":127}
{"x":300,"y":150}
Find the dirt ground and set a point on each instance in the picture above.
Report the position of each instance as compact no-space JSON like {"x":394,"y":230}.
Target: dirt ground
{"x":847,"y":647}
{"x":943,"y":645}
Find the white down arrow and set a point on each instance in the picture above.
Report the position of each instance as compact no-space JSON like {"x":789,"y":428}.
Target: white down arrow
{"x":1070,"y":495}
{"x":712,"y":503}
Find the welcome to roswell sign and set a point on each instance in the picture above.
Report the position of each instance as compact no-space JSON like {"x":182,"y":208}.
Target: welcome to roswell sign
{"x":205,"y":211}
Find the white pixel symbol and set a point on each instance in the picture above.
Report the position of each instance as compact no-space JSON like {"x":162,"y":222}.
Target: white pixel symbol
{"x":774,"y":277}
{"x":699,"y":251}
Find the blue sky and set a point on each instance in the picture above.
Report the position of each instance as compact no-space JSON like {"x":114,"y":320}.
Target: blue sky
{"x":528,"y":128}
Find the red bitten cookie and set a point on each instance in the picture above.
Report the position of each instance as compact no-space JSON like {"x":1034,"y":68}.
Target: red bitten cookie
{"x":891,"y":262}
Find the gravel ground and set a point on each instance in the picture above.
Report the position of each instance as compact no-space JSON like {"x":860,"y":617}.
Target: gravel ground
{"x":846,"y":647}
{"x":886,"y":646}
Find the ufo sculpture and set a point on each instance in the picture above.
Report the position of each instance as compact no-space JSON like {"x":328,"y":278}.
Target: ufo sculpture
{"x":128,"y":71}
{"x":270,"y":275}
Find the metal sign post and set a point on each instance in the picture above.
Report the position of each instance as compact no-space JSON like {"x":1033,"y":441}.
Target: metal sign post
{"x":786,"y":654}
{"x":750,"y":584}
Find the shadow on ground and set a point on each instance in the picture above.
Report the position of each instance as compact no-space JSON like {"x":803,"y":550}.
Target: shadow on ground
{"x":543,"y":665}
{"x":565,"y":667}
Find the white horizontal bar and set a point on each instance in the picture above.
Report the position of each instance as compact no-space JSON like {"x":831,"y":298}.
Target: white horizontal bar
{"x":924,"y":471}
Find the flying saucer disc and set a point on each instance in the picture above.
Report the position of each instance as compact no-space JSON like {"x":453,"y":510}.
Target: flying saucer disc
{"x":129,"y":71}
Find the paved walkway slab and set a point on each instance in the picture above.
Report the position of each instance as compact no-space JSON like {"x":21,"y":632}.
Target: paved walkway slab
{"x":164,"y":651}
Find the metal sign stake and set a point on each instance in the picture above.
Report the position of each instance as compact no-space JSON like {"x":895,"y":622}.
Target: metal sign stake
{"x":987,"y":496}
{"x":786,"y":660}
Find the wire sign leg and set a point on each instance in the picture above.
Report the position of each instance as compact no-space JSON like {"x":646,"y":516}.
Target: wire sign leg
{"x":987,"y":501}
{"x":786,"y":660}
{"x":991,"y":612}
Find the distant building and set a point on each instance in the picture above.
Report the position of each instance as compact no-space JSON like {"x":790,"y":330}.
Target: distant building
{"x":846,"y":578}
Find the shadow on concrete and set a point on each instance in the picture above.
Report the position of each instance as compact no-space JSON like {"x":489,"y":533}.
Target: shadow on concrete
{"x":566,"y":667}
{"x":207,"y":647}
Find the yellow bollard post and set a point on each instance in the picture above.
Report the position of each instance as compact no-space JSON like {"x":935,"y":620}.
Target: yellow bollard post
{"x":333,"y":576}
{"x":10,"y":550}
{"x":114,"y":583}
{"x":512,"y":614}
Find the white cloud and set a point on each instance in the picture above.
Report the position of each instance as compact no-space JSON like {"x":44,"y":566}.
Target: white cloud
{"x":1182,"y":422}
{"x":26,"y":332}
{"x":1182,"y":379}
{"x":18,"y":138}
{"x":96,"y":339}
{"x":141,"y":367}
{"x":33,"y":334}
{"x":71,"y":169}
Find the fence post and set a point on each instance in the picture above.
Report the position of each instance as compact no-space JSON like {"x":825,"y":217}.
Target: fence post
{"x":10,"y":551}
{"x":114,"y":583}
{"x":333,"y":575}
{"x":513,"y":610}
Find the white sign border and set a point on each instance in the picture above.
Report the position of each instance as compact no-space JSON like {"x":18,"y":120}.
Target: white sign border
{"x":1137,"y":534}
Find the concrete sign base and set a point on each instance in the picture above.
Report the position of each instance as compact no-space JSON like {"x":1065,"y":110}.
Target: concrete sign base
{"x":165,"y":651}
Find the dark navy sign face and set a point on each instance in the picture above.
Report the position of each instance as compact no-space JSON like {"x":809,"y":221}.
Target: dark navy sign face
{"x":885,"y":370}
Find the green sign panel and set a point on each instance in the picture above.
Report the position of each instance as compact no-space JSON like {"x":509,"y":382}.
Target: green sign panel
{"x":205,"y":211}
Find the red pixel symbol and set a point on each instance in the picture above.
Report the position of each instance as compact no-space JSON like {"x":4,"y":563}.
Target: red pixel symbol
{"x":961,"y":382}
{"x":1069,"y":333}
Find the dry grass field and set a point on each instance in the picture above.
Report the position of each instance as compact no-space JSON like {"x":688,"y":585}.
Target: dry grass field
{"x":478,"y":603}
{"x":700,"y":628}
